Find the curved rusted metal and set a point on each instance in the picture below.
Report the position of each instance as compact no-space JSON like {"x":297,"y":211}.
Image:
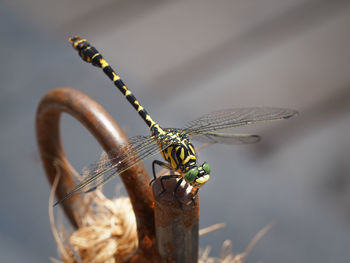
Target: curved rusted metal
{"x":110,"y":137}
{"x":176,"y":221}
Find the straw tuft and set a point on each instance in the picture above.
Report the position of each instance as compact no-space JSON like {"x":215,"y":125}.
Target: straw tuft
{"x":107,"y":232}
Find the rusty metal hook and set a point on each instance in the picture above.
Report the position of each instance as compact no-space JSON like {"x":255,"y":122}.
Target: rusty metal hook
{"x":110,"y":136}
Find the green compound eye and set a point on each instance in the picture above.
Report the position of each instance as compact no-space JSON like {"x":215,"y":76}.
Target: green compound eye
{"x":191,"y":175}
{"x":206,"y":168}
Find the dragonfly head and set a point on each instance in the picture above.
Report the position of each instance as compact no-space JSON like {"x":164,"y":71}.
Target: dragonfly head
{"x":197,"y":176}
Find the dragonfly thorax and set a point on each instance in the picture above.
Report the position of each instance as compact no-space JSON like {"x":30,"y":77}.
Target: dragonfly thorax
{"x":180,"y":153}
{"x":181,"y":156}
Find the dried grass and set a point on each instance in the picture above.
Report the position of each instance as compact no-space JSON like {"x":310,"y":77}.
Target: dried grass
{"x":106,"y":233}
{"x":227,"y":255}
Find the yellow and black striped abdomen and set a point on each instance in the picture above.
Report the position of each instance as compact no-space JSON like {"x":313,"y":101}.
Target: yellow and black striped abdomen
{"x":89,"y":54}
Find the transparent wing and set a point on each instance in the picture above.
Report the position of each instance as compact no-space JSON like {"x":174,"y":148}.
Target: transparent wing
{"x":138,"y":149}
{"x":226,"y":138}
{"x":231,"y":118}
{"x":219,"y":137}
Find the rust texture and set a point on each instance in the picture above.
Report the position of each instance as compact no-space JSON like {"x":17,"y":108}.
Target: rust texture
{"x":110,"y":137}
{"x":177,"y":222}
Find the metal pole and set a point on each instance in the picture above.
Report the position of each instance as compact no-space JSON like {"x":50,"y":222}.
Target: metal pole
{"x":177,"y":222}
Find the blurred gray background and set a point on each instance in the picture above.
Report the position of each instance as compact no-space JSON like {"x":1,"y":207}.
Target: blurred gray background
{"x":183,"y":59}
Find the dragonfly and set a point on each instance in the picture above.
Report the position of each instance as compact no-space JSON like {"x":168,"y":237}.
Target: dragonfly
{"x":174,"y":144}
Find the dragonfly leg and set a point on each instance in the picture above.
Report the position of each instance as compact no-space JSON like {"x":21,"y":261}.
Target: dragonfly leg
{"x":161,"y":164}
{"x":175,"y":189}
{"x":166,"y":177}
